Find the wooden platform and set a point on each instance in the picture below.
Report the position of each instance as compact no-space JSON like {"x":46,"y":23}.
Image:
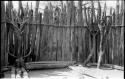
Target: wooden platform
{"x":48,"y":64}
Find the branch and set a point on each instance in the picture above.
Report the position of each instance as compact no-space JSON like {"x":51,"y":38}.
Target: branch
{"x":22,"y":24}
{"x":12,"y":55}
{"x":15,"y":27}
{"x":28,"y":53}
{"x":31,"y":51}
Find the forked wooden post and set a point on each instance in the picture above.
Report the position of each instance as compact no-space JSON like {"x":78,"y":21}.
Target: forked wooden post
{"x":100,"y":47}
{"x":103,"y":36}
{"x":94,"y":30}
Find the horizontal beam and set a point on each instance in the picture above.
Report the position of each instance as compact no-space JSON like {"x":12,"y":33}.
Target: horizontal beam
{"x":65,"y":26}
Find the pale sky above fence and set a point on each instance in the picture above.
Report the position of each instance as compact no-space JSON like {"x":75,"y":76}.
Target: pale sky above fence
{"x":42,"y":5}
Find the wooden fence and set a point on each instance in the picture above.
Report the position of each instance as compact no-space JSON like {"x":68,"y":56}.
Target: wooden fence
{"x":60,"y":34}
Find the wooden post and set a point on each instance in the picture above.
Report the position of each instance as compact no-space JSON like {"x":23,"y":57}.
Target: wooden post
{"x":27,"y":30}
{"x":93,"y":29}
{"x":80,"y":36}
{"x":122,"y":30}
{"x":2,"y":33}
{"x":9,"y":7}
{"x":37,"y":34}
{"x":41,"y":30}
{"x":117,"y":13}
{"x":72,"y":35}
{"x":45,"y":34}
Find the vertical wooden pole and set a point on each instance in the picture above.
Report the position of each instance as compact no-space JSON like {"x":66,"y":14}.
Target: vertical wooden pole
{"x":72,"y":36}
{"x":61,"y":29}
{"x":8,"y":15}
{"x":9,"y":8}
{"x":117,"y":13}
{"x":27,"y":30}
{"x":80,"y":23}
{"x":2,"y":32}
{"x":64,"y":33}
{"x":68,"y":53}
{"x":31,"y":32}
{"x":36,"y":31}
{"x":37,"y":42}
{"x":40,"y":37}
{"x":5,"y":40}
{"x":122,"y":29}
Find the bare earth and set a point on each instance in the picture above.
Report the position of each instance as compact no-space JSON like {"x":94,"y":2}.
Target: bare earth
{"x":73,"y":72}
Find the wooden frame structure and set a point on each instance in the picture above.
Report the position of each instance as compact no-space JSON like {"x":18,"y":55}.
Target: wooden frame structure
{"x":63,"y":37}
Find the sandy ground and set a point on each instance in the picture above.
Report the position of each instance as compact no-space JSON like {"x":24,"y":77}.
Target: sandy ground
{"x":73,"y":72}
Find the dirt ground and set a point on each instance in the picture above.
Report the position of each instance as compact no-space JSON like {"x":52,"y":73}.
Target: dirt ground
{"x":73,"y":72}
